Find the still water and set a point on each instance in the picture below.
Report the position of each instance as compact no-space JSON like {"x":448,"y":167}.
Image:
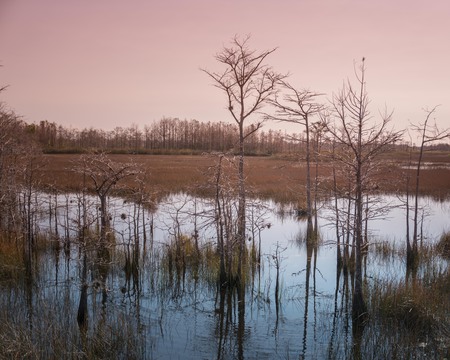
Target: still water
{"x":155,"y":315}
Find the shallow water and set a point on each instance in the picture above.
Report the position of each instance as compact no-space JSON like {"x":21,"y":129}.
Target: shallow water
{"x":184,"y":316}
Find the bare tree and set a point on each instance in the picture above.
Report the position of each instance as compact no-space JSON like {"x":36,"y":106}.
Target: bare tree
{"x":428,"y":133}
{"x":32,"y":163}
{"x":19,"y":166}
{"x":248,"y":83}
{"x":104,"y":174}
{"x":9,"y":156}
{"x":360,"y":141}
{"x":298,"y":107}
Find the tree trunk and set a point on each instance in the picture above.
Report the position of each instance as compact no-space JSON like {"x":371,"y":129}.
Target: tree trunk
{"x":308,"y":179}
{"x":241,"y":200}
{"x":104,"y":220}
{"x":82,"y":306}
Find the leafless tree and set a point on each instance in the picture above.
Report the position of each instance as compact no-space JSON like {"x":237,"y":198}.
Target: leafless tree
{"x":248,"y":83}
{"x":32,"y":163}
{"x":104,"y":175}
{"x":298,"y":107}
{"x":428,"y":133}
{"x":19,"y":164}
{"x":359,"y":142}
{"x":9,"y":155}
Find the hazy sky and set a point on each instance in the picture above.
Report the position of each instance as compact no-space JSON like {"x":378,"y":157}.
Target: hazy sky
{"x":107,"y":63}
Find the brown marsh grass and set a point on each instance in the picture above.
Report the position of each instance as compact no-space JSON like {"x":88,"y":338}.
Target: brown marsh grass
{"x":415,"y":310}
{"x":269,"y":177}
{"x":11,"y":261}
{"x":412,"y":313}
{"x":278,"y":178}
{"x":443,"y":246}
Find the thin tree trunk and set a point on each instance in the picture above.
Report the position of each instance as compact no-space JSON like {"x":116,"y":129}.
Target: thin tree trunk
{"x":82,"y":306}
{"x":241,"y":205}
{"x":308,"y":178}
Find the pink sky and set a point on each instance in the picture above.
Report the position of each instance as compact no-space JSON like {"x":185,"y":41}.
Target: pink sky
{"x":107,"y":63}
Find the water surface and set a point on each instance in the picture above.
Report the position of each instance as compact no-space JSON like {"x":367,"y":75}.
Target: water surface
{"x":184,"y":315}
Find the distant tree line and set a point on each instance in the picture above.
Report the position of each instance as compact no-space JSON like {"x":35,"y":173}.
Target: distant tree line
{"x":169,"y":135}
{"x":164,"y":136}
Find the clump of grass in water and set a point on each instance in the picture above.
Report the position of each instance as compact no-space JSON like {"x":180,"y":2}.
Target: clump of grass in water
{"x":181,"y":256}
{"x":182,"y":252}
{"x":55,"y":335}
{"x":406,"y":305}
{"x":11,"y":261}
{"x":412,"y":315}
{"x":443,"y":246}
{"x":384,"y":249}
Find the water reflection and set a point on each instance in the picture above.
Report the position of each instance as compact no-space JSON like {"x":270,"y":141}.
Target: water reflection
{"x":137,"y":296}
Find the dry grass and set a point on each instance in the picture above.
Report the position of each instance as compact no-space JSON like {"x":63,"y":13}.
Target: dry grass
{"x":11,"y":261}
{"x":443,"y":245}
{"x":413,"y":315}
{"x":279,"y":178}
{"x":270,"y":177}
{"x":52,"y":338}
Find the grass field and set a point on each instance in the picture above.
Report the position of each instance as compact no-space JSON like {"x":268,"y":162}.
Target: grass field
{"x":280,"y":178}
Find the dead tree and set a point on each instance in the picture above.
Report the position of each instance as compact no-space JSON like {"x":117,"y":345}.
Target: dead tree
{"x":298,"y":107}
{"x":10,"y":153}
{"x":104,"y":174}
{"x":428,"y":133}
{"x":318,"y":131}
{"x":248,"y":83}
{"x":32,"y":164}
{"x":360,"y":141}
